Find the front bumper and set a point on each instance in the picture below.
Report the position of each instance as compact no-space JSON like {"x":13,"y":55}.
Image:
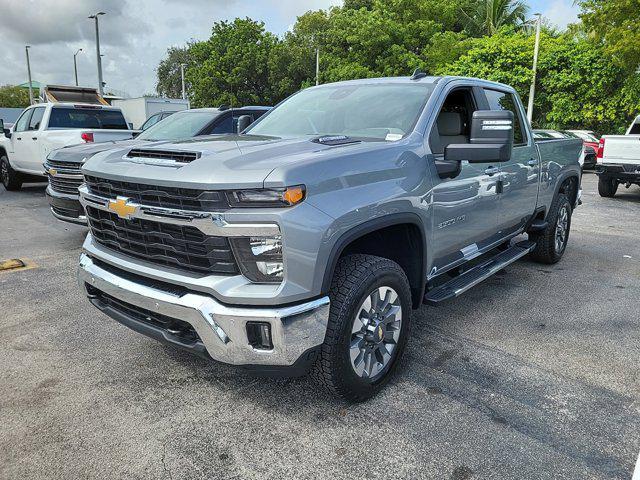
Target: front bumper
{"x":221,"y":330}
{"x":66,"y":207}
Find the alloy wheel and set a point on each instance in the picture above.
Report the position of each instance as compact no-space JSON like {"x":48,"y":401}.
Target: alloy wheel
{"x":375,"y":332}
{"x":562,"y":229}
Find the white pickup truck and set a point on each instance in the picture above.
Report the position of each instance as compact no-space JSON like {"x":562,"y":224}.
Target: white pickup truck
{"x":45,"y":127}
{"x":618,"y":160}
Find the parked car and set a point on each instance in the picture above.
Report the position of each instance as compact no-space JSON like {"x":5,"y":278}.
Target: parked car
{"x":43,"y":128}
{"x":155,"y":118}
{"x":138,"y":110}
{"x":591,"y":142}
{"x":304,"y":243}
{"x":63,"y":165}
{"x":619,"y":160}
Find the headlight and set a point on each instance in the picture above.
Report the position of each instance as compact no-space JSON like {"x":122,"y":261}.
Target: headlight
{"x":259,"y":258}
{"x":267,"y":197}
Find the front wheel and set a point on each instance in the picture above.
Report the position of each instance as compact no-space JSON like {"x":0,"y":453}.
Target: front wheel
{"x":368,"y":327}
{"x":607,"y":187}
{"x":11,"y":179}
{"x":551,"y":243}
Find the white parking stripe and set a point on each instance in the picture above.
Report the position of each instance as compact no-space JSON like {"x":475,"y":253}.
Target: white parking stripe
{"x":636,"y":472}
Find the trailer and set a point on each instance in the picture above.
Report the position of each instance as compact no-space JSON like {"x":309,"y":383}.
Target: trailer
{"x":137,"y":110}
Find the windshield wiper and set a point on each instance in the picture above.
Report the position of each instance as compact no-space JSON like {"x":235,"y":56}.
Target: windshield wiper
{"x":335,"y":140}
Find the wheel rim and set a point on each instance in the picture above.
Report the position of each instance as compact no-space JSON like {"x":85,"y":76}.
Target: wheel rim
{"x":4,"y":171}
{"x":375,"y":332}
{"x":562,"y":229}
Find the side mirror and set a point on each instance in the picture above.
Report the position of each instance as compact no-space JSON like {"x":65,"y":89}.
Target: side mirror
{"x":243,"y":122}
{"x":6,"y":131}
{"x":491,"y":139}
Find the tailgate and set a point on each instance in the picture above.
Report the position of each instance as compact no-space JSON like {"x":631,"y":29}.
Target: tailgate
{"x":104,"y":135}
{"x":622,"y":149}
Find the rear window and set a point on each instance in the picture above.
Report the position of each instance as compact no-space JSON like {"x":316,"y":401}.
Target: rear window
{"x":635,"y":129}
{"x":62,"y":118}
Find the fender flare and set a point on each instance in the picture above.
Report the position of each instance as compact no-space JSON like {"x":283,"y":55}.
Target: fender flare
{"x":370,"y":226}
{"x":561,"y":179}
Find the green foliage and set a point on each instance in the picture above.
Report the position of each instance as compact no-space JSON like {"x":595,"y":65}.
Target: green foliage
{"x":486,"y":17}
{"x":169,"y":78}
{"x":577,"y":85}
{"x":14,"y":97}
{"x":617,"y":24}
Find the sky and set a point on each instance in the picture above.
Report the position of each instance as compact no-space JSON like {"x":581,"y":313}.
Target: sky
{"x":135,"y":34}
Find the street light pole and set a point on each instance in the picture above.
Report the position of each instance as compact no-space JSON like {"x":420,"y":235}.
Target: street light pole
{"x":184,"y":93}
{"x":26,"y":49}
{"x":317,"y":65}
{"x":75,"y":65}
{"x":98,"y":58}
{"x":532,"y":91}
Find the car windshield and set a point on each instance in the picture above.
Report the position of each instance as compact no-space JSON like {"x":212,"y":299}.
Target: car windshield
{"x":378,"y":111}
{"x":181,"y":125}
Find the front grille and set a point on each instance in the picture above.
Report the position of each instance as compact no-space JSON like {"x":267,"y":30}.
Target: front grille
{"x":176,"y":156}
{"x":157,"y":196}
{"x":65,"y":185}
{"x":70,"y":167}
{"x":65,"y":212}
{"x":183,"y":247}
{"x":184,"y":331}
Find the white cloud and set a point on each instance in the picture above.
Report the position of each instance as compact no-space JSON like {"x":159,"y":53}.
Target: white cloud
{"x":134,"y":35}
{"x":561,"y":12}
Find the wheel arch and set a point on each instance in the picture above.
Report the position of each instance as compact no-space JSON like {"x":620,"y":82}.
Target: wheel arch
{"x":374,"y":236}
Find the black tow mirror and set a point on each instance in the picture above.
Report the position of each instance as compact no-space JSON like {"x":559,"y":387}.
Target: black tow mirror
{"x":243,"y":122}
{"x":5,"y":131}
{"x":491,"y":139}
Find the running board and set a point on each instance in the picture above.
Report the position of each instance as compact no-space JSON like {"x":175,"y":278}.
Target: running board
{"x":460,"y":284}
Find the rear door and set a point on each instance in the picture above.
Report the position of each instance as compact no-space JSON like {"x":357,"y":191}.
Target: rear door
{"x":520,"y":175}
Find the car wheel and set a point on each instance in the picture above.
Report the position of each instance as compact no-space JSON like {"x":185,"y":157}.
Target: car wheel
{"x":551,"y":243}
{"x":11,"y":179}
{"x":368,"y":327}
{"x":607,"y":187}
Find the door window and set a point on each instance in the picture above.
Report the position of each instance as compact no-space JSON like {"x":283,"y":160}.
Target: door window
{"x":453,"y":124}
{"x":506,"y":101}
{"x":36,"y":118}
{"x":23,"y":121}
{"x":225,"y":124}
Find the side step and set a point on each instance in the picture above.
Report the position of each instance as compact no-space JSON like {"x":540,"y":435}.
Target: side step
{"x":460,"y":284}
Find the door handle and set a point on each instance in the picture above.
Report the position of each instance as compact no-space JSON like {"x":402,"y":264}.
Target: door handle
{"x":18,"y":138}
{"x":34,"y":138}
{"x":532,"y":162}
{"x":491,"y":171}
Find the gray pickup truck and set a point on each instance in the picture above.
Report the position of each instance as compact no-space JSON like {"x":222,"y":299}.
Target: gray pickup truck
{"x":303,"y":244}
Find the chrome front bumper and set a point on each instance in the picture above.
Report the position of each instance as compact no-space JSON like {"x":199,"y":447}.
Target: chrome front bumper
{"x":222,"y":329}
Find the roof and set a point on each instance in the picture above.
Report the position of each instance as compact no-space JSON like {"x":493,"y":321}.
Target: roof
{"x":409,"y":81}
{"x":34,"y":85}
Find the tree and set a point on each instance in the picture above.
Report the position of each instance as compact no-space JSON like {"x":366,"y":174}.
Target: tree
{"x":14,"y":97}
{"x":169,"y":76}
{"x":617,"y":24}
{"x":578,"y":86}
{"x":486,"y":17}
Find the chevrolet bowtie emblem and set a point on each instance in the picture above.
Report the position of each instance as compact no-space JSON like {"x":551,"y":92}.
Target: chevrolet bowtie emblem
{"x":121,"y":207}
{"x":52,"y":171}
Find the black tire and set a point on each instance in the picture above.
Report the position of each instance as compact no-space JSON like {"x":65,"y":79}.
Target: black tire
{"x":607,"y":187}
{"x":547,"y":249}
{"x":11,"y":179}
{"x":355,"y":279}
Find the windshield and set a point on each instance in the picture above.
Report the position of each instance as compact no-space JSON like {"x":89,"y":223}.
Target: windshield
{"x":178,"y":126}
{"x":379,"y":111}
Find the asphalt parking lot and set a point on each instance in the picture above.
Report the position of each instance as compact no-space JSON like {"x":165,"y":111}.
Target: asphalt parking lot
{"x":532,"y":374}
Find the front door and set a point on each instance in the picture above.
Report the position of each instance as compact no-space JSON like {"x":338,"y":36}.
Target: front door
{"x":20,"y":141}
{"x":33,"y":158}
{"x":519,"y":176}
{"x":465,"y":208}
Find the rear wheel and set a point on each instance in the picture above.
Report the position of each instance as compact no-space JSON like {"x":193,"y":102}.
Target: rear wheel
{"x":11,"y":179}
{"x":551,"y":243}
{"x":607,"y":187}
{"x":368,"y":327}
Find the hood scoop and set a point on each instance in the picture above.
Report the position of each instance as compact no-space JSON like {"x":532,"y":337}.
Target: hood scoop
{"x":161,"y":157}
{"x":335,"y":140}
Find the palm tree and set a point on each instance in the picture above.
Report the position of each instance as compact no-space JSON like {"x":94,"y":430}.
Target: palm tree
{"x":486,"y":17}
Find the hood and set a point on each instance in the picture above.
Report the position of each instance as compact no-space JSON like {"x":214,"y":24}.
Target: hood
{"x":223,"y":161}
{"x":84,"y":151}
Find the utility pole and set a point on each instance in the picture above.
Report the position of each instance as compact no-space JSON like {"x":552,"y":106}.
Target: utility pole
{"x":26,"y":49}
{"x":317,"y":65}
{"x":98,"y":58}
{"x":184,"y":93}
{"x":532,"y":91}
{"x":75,"y":65}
